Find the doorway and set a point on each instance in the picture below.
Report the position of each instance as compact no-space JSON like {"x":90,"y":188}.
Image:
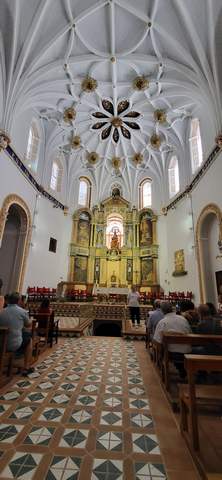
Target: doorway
{"x":107,"y":329}
{"x":208,"y":234}
{"x":12,"y":248}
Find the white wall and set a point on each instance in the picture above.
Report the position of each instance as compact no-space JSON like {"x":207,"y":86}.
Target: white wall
{"x":44,"y":268}
{"x":175,"y":231}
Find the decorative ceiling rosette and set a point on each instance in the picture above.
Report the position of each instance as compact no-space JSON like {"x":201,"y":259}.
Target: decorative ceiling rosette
{"x":75,"y":142}
{"x":116,"y":162}
{"x":4,"y":140}
{"x":69,"y":115}
{"x":155,"y":141}
{"x":138,"y":158}
{"x":160,"y":116}
{"x":89,"y":84}
{"x":141,"y":83}
{"x":117,"y":125}
{"x":92,"y":157}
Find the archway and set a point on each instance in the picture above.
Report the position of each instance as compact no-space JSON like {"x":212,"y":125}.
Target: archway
{"x":107,"y":329}
{"x":15,"y":220}
{"x":208,"y":236}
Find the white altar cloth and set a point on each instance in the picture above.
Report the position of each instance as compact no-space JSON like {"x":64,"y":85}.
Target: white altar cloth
{"x":110,"y":290}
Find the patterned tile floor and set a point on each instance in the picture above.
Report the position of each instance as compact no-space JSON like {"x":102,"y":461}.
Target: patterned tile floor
{"x":83,"y":414}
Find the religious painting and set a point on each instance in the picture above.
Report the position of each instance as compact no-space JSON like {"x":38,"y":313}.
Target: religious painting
{"x":99,"y":236}
{"x":129,"y":270}
{"x":145,"y":230}
{"x":80,"y":269}
{"x":146,"y":271}
{"x":83,"y":236}
{"x":179,"y":263}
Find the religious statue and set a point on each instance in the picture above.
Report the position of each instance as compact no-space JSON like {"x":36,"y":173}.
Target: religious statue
{"x":114,"y":241}
{"x":113,"y":278}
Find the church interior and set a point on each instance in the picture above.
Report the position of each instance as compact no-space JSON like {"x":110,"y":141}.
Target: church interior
{"x":110,"y":201}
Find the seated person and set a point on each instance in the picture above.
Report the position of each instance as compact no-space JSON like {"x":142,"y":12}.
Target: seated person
{"x":154,"y":317}
{"x":209,"y":325}
{"x":45,"y":306}
{"x":171,"y":322}
{"x":217,"y":318}
{"x":20,"y":336}
{"x":188,"y":311}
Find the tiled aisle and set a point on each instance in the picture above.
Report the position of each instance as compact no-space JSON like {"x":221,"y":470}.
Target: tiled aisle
{"x":84,"y":414}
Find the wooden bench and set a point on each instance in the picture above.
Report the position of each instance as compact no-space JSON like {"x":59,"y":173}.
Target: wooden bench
{"x":6,"y":358}
{"x":192,"y":395}
{"x":179,"y":339}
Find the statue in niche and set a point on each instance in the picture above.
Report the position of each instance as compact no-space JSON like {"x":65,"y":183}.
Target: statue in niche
{"x":115,"y":241}
{"x":99,"y":239}
{"x":113,"y":278}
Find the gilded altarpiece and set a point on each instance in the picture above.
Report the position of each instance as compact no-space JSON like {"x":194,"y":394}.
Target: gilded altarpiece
{"x":114,"y":244}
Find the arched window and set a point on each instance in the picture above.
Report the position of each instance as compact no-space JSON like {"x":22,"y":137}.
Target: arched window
{"x":145,"y":193}
{"x":173,"y":176}
{"x":196,"y":151}
{"x":84,"y":192}
{"x":33,"y":147}
{"x":56,"y":175}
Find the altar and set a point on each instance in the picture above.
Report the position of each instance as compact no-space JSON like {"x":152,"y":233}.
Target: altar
{"x":110,"y":291}
{"x":114,"y":246}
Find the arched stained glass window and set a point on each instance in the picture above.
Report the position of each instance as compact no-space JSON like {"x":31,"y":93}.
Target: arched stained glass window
{"x":145,"y":193}
{"x":84,"y":192}
{"x":32,"y":151}
{"x":196,"y":151}
{"x":173,"y":176}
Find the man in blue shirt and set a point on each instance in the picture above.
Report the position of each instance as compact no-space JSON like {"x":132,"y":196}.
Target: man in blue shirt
{"x":154,"y":318}
{"x":19,"y":338}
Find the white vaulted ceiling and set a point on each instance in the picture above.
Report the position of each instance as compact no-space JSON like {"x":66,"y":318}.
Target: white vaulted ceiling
{"x":131,"y":71}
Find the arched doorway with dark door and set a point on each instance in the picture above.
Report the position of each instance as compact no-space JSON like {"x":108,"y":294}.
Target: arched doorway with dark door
{"x":15,"y":240}
{"x":208,"y":237}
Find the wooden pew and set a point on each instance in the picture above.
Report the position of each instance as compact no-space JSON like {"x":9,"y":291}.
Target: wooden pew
{"x":190,"y":339}
{"x":46,"y":328}
{"x":192,"y":395}
{"x":6,"y":358}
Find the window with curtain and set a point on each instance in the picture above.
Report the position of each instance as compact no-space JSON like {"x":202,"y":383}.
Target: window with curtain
{"x":173,"y":176}
{"x":84,"y":192}
{"x":196,"y":151}
{"x":32,"y":151}
{"x":56,"y":175}
{"x":145,"y":193}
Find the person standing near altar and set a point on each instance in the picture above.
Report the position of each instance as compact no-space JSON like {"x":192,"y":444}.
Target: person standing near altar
{"x":134,"y":306}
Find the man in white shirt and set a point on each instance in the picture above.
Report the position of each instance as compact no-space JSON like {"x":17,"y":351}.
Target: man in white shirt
{"x":134,"y":306}
{"x":174,"y":323}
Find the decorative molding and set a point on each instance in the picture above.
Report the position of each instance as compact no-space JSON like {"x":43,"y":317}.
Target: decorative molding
{"x":14,"y":157}
{"x":212,"y":157}
{"x":8,"y":201}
